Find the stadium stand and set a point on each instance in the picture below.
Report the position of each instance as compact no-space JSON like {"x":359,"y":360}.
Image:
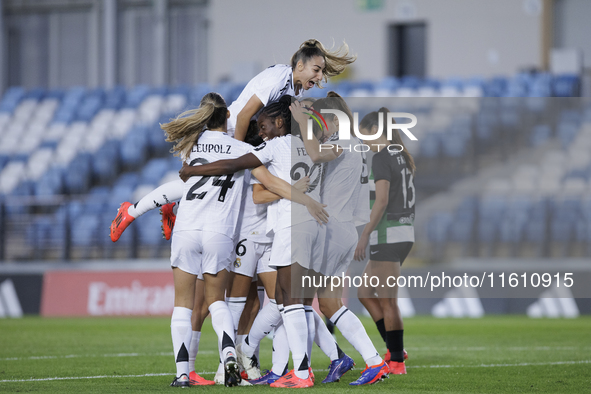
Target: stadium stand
{"x":69,"y":157}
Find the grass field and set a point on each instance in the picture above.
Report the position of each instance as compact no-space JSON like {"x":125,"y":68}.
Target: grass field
{"x":489,"y":355}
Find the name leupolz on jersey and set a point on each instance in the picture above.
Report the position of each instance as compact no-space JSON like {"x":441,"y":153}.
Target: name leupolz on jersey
{"x":225,"y":182}
{"x":212,"y":148}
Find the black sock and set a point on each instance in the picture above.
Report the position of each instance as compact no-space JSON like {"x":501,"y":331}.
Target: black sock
{"x":381,"y":328}
{"x":395,"y":345}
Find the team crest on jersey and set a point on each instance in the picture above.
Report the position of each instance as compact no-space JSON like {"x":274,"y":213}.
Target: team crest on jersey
{"x":237,"y":263}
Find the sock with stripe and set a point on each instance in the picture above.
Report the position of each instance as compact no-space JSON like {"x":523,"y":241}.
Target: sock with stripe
{"x":261,"y":294}
{"x":167,"y":193}
{"x":236,"y":306}
{"x":352,"y":329}
{"x":221,"y":320}
{"x":395,"y":345}
{"x":280,"y":350}
{"x":180,"y":329}
{"x":324,"y":338}
{"x":263,"y":324}
{"x":311,"y":331}
{"x":296,"y":325}
{"x":194,"y":349}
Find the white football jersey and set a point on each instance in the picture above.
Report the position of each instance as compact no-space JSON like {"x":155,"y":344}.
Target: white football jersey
{"x":212,"y":203}
{"x":288,"y":160}
{"x":269,"y":86}
{"x":254,"y":216}
{"x":345,"y":189}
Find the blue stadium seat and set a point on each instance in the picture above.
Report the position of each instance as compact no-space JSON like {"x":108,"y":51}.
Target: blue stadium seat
{"x":565,"y":213}
{"x":198,"y":92}
{"x":565,"y":85}
{"x":490,"y":209}
{"x":390,"y":83}
{"x":115,"y":98}
{"x":85,"y":230}
{"x":566,"y":132}
{"x":454,"y":144}
{"x":429,"y":146}
{"x":96,"y":200}
{"x":106,"y":161}
{"x":51,"y":183}
{"x":439,"y":226}
{"x":134,"y":147}
{"x":12,"y":97}
{"x":496,"y":87}
{"x":149,"y":229}
{"x":154,"y":170}
{"x":540,"y":134}
{"x":462,"y":229}
{"x":136,"y":95}
{"x":78,"y":174}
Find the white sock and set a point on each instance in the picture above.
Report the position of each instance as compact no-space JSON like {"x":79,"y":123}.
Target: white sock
{"x":261,"y":294}
{"x":280,"y":350}
{"x":221,"y":320}
{"x":311,"y":331}
{"x":167,"y":193}
{"x":294,"y":320}
{"x":180,"y":329}
{"x":194,"y":349}
{"x":236,"y":305}
{"x":324,"y":338}
{"x":352,"y":329}
{"x":240,"y":339}
{"x":266,"y":319}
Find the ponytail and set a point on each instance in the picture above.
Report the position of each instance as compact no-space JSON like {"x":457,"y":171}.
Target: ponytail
{"x":372,"y":119}
{"x":335,"y":61}
{"x":186,"y":128}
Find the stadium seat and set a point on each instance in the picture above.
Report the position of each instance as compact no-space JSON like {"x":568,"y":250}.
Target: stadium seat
{"x":438,"y":227}
{"x":540,"y":134}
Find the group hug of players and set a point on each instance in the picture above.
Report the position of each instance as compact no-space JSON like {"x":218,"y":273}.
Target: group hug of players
{"x":258,"y":199}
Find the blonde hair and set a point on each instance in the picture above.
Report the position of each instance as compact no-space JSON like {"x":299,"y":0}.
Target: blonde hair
{"x":335,"y":61}
{"x":186,"y":128}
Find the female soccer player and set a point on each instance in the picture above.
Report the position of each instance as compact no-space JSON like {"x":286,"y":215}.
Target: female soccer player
{"x":390,"y":232}
{"x":343,"y":193}
{"x":310,"y":65}
{"x":274,"y":121}
{"x":278,"y":154}
{"x":203,"y":241}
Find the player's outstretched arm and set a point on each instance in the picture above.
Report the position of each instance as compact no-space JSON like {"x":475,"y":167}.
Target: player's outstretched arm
{"x":253,"y":106}
{"x":261,"y":195}
{"x":220,"y":167}
{"x":285,"y":190}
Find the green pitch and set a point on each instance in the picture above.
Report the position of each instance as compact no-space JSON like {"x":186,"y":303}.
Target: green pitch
{"x":489,"y":355}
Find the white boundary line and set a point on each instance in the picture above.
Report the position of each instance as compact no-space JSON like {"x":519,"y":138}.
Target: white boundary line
{"x":420,"y":349}
{"x":319,"y":370}
{"x":98,"y":355}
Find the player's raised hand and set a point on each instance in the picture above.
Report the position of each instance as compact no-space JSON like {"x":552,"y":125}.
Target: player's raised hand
{"x":299,"y":112}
